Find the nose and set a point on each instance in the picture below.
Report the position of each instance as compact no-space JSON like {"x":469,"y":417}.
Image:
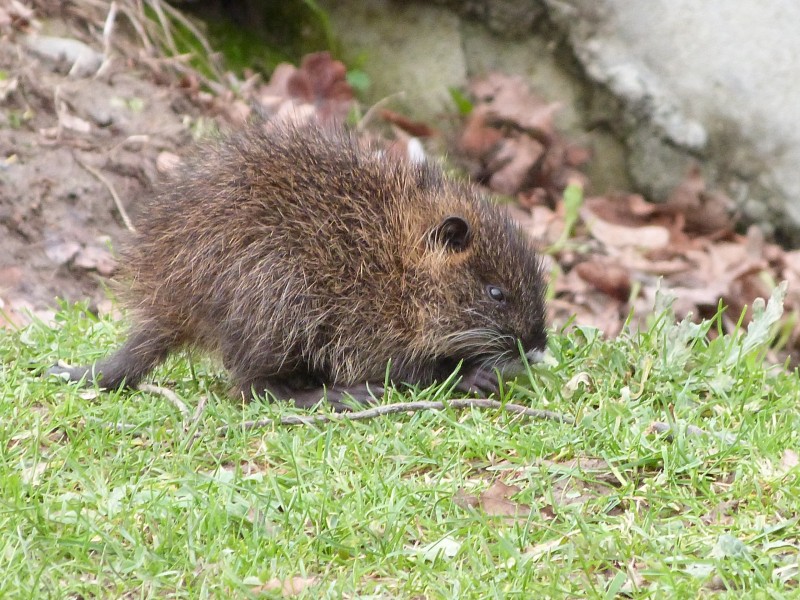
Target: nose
{"x":534,"y":356}
{"x":535,"y":343}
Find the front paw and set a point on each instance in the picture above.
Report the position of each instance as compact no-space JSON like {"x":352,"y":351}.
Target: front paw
{"x":478,"y":380}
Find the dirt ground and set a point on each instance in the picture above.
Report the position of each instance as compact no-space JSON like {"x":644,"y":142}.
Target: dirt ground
{"x":68,"y":145}
{"x":93,"y":110}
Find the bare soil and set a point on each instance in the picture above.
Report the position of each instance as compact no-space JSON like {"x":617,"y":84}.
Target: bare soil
{"x":67,"y":145}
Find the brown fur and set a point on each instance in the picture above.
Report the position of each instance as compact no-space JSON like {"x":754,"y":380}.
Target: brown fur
{"x":303,"y":258}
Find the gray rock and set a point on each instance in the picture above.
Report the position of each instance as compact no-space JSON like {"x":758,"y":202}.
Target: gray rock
{"x":411,"y":51}
{"x":716,"y":82}
{"x":81,"y":60}
{"x":654,"y":87}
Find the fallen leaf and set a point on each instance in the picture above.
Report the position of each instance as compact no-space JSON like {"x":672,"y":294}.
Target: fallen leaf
{"x":465,"y":500}
{"x":514,"y":163}
{"x":540,"y":222}
{"x":609,"y":278}
{"x":705,"y":211}
{"x":321,"y":81}
{"x":616,"y":236}
{"x":510,"y":100}
{"x":413,"y":128}
{"x":479,"y":139}
{"x":495,"y":501}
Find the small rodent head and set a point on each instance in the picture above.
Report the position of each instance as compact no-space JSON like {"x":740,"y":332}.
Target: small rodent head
{"x":488,"y":285}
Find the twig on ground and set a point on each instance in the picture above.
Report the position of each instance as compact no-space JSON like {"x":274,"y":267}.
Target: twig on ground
{"x":169,"y":395}
{"x":362,"y":415}
{"x":198,"y":412}
{"x":133,"y":19}
{"x":165,"y":25}
{"x":108,"y":31}
{"x":117,"y":201}
{"x":400,"y":407}
{"x":177,"y":15}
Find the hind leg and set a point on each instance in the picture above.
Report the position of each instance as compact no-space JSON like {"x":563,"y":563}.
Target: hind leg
{"x":139,"y":355}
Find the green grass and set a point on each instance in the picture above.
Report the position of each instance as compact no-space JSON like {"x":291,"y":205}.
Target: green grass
{"x":372,"y":509}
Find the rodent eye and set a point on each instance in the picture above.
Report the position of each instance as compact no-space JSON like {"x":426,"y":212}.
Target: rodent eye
{"x":495,"y":293}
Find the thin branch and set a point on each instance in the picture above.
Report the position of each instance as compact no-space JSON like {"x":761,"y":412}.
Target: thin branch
{"x":399,"y":407}
{"x":149,"y":48}
{"x":108,"y":31}
{"x":165,"y":25}
{"x":188,"y":24}
{"x":198,"y":411}
{"x":117,"y":201}
{"x":362,"y":415}
{"x":169,"y":395}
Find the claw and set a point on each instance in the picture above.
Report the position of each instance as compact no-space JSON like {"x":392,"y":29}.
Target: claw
{"x":479,"y":381}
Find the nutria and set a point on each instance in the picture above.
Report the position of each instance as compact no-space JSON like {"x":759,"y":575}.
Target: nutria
{"x":309,"y":261}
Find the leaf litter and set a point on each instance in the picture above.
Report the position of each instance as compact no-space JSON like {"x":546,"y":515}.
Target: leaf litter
{"x":607,"y":253}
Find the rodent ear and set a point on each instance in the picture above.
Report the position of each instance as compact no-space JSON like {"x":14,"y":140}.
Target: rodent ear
{"x":453,"y":232}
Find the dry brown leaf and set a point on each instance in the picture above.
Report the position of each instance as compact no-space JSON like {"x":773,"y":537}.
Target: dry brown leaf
{"x":609,"y":278}
{"x":278,"y":85}
{"x":495,"y":501}
{"x":617,"y":236}
{"x":511,"y":142}
{"x":511,"y":101}
{"x":321,"y":81}
{"x":630,"y":210}
{"x":318,"y":87}
{"x":479,"y":139}
{"x":705,"y":212}
{"x":414,"y":128}
{"x":655,"y":262}
{"x":540,"y":222}
{"x":465,"y":500}
{"x":513,"y":164}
